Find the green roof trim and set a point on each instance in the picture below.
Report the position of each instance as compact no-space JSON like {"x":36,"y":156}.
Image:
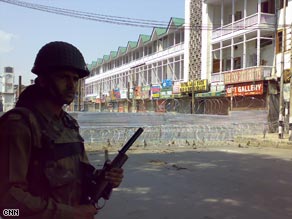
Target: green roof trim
{"x":132,"y":44}
{"x":143,"y":38}
{"x":122,"y":49}
{"x":160,"y":31}
{"x":106,"y":58}
{"x":92,"y":65}
{"x":113,"y":54}
{"x":178,"y":22}
{"x":89,"y":67}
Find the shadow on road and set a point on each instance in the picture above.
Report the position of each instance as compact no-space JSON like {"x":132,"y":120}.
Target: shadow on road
{"x":201,"y":185}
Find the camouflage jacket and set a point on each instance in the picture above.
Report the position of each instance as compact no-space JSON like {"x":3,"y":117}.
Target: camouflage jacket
{"x":40,"y":170}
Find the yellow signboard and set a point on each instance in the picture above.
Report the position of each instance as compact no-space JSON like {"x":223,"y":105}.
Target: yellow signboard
{"x":199,"y":86}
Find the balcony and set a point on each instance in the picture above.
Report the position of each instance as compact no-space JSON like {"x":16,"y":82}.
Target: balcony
{"x":252,"y":22}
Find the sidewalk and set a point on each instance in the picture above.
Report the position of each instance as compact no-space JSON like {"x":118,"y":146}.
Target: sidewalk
{"x":269,"y":140}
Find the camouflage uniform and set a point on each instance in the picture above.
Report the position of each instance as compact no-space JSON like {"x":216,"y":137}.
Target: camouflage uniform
{"x":40,"y":170}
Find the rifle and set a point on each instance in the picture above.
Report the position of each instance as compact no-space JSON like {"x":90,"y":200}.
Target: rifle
{"x":98,"y":187}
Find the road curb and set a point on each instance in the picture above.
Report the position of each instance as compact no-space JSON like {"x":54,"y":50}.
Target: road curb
{"x":270,"y":140}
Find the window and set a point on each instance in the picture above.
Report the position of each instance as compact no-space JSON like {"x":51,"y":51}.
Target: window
{"x":252,"y":60}
{"x":164,"y":42}
{"x":149,"y":49}
{"x":171,"y":39}
{"x":216,"y":65}
{"x":228,"y":65}
{"x":237,"y":63}
{"x":265,"y":42}
{"x":237,"y":16}
{"x":145,"y":50}
{"x":177,"y":37}
{"x":280,"y":41}
{"x":154,"y":46}
{"x":282,"y":3}
{"x":268,"y":6}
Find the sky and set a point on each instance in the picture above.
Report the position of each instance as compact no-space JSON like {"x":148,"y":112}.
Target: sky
{"x":23,"y":31}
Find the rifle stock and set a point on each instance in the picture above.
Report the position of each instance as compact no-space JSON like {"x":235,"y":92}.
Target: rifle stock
{"x":100,"y":188}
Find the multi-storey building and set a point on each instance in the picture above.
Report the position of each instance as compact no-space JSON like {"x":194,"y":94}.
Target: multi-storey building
{"x":240,"y":52}
{"x":225,"y":55}
{"x":248,"y":52}
{"x":140,"y":76}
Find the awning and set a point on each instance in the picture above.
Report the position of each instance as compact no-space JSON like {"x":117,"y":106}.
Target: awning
{"x":211,"y":94}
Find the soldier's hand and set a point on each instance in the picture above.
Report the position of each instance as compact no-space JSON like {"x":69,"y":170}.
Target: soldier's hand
{"x":114,"y":176}
{"x":84,"y":212}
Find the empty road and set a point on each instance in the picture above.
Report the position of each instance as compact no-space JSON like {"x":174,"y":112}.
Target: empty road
{"x":219,"y":182}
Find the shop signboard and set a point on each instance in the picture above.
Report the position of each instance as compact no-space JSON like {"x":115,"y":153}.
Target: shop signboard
{"x":155,"y":90}
{"x":210,"y":94}
{"x":166,"y":93}
{"x":116,"y":93}
{"x":217,"y":87}
{"x":166,"y":83}
{"x":145,"y":92}
{"x":138,"y":92}
{"x":124,"y":93}
{"x":247,"y":89}
{"x":166,"y":89}
{"x":199,"y":86}
{"x":176,"y":88}
{"x":246,"y":75}
{"x":131,"y":93}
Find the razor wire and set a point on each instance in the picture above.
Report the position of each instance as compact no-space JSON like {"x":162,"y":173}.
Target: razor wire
{"x":171,"y":135}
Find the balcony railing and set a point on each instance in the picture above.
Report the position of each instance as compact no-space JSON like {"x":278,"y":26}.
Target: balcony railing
{"x":246,"y":23}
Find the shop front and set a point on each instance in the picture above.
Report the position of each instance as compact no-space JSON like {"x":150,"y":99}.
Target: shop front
{"x":246,"y":89}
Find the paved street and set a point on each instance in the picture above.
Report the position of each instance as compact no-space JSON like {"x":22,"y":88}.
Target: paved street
{"x":221,"y":182}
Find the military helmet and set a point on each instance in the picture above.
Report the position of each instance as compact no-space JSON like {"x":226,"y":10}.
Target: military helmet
{"x":59,"y":56}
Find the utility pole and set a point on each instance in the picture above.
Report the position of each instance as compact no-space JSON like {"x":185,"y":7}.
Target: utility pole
{"x":128,"y":95}
{"x":19,"y":86}
{"x":100,"y":99}
{"x":281,"y":101}
{"x":290,"y":103}
{"x":79,"y":95}
{"x":231,"y":99}
{"x":193,"y":97}
{"x":133,"y":87}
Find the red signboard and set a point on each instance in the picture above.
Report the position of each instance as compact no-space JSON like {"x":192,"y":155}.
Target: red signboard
{"x":247,"y":89}
{"x":155,"y":91}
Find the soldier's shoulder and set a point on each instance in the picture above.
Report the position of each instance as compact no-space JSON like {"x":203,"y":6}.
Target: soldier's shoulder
{"x":16,"y":114}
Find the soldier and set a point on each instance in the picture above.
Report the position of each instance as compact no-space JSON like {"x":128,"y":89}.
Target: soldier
{"x":41,"y":150}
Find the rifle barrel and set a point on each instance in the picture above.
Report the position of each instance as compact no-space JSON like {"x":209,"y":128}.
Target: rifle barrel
{"x":131,"y":141}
